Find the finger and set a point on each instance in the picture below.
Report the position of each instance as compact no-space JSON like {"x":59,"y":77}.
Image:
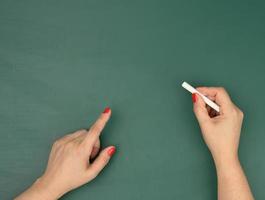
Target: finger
{"x":199,"y":108}
{"x":101,"y":161}
{"x":94,"y":132}
{"x":95,"y":149}
{"x":219,"y":95}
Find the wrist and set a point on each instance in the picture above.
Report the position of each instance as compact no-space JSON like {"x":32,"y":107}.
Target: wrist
{"x":38,"y":190}
{"x":45,"y":189}
{"x":226,"y":161}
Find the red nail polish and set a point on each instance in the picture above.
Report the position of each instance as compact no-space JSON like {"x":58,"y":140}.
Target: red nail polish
{"x":111,"y":151}
{"x":107,"y":110}
{"x":194,"y":97}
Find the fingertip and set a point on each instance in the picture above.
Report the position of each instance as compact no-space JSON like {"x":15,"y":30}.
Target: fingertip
{"x":106,"y":114}
{"x":194,"y":97}
{"x":200,"y":109}
{"x":197,"y":100}
{"x":101,"y":161}
{"x":96,"y":129}
{"x":111,"y":151}
{"x":107,"y":110}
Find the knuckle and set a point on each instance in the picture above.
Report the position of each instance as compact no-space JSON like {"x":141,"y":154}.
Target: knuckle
{"x":82,"y":131}
{"x":80,"y":150}
{"x":64,"y":138}
{"x":240,"y":113}
{"x":221,"y":89}
{"x":92,"y":174}
{"x":57,"y":143}
{"x":96,"y":128}
{"x":69,"y":145}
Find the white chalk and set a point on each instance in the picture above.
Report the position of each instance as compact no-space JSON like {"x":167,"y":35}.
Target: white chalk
{"x":206,"y":100}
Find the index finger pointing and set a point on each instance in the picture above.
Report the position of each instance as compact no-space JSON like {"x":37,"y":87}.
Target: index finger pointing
{"x":95,"y":130}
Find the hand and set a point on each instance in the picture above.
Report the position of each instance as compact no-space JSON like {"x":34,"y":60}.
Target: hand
{"x":221,"y":132}
{"x":69,"y":163}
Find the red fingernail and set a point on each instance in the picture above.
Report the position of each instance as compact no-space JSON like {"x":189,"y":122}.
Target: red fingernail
{"x":107,"y":110}
{"x":194,"y":97}
{"x":111,"y":151}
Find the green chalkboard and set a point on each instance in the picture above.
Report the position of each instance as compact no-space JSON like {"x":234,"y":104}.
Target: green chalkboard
{"x":62,"y":62}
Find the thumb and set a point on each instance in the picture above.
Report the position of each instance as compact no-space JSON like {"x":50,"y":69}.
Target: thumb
{"x":199,"y":109}
{"x":100,"y":162}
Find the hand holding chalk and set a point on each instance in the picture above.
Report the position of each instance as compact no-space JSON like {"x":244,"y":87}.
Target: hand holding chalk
{"x":221,"y":133}
{"x":207,"y":101}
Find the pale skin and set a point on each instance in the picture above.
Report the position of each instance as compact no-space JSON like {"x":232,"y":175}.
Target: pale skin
{"x":69,"y":164}
{"x":221,"y":133}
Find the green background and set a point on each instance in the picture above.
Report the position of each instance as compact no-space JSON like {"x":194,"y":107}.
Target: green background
{"x":62,"y":62}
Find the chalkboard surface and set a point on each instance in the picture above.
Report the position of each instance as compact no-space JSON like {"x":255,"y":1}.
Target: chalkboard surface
{"x":62,"y":62}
